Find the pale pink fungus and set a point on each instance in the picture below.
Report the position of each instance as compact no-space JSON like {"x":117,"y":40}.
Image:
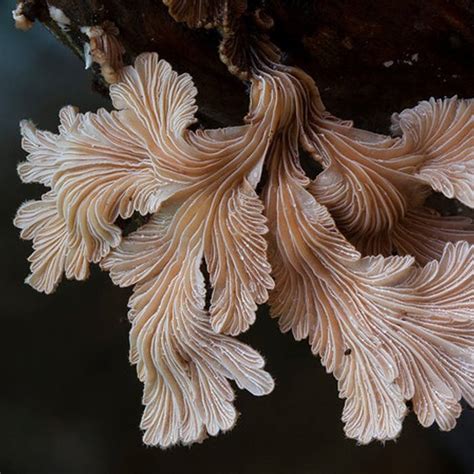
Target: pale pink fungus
{"x":390,"y":328}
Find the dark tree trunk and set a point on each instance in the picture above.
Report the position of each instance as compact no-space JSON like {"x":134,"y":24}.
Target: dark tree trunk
{"x":368,"y":57}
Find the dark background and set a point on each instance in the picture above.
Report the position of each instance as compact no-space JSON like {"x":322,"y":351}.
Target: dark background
{"x":70,"y":401}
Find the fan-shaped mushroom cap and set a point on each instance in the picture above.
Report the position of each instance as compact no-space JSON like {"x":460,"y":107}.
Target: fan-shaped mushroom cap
{"x":389,"y":331}
{"x":183,"y":363}
{"x":55,"y":252}
{"x":443,"y":131}
{"x":110,"y":164}
{"x":244,"y":44}
{"x":375,"y":186}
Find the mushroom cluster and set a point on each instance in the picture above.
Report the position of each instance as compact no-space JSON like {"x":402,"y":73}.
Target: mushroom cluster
{"x":379,"y":283}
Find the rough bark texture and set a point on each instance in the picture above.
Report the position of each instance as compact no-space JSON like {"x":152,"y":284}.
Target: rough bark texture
{"x":368,"y":57}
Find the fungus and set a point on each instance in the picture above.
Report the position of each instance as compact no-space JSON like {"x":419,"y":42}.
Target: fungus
{"x":201,"y":189}
{"x":375,"y":186}
{"x":410,"y":329}
{"x":105,"y":49}
{"x":393,"y":329}
{"x":22,"y":22}
{"x":205,"y":13}
{"x":59,"y":17}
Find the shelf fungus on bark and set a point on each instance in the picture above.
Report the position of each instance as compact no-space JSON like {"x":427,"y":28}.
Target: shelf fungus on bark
{"x":391,"y":328}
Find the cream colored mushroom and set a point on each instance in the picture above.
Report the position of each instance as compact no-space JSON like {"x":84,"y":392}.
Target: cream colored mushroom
{"x":388,"y":329}
{"x":375,"y":186}
{"x":105,"y":49}
{"x":141,"y":158}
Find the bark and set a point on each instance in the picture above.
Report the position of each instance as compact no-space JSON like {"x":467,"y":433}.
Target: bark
{"x":369,"y":58}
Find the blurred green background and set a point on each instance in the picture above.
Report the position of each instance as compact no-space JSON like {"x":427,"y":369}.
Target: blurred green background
{"x":70,"y":401}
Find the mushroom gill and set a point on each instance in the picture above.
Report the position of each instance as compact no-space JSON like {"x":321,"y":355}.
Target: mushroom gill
{"x":205,"y":13}
{"x":391,"y":328}
{"x":200,"y":186}
{"x":388,"y":330}
{"x":375,"y":186}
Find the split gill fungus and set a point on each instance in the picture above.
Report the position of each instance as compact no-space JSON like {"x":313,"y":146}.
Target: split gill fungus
{"x":354,"y":260}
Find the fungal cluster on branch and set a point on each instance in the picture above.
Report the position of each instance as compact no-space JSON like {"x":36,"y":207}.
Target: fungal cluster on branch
{"x":353,"y":260}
